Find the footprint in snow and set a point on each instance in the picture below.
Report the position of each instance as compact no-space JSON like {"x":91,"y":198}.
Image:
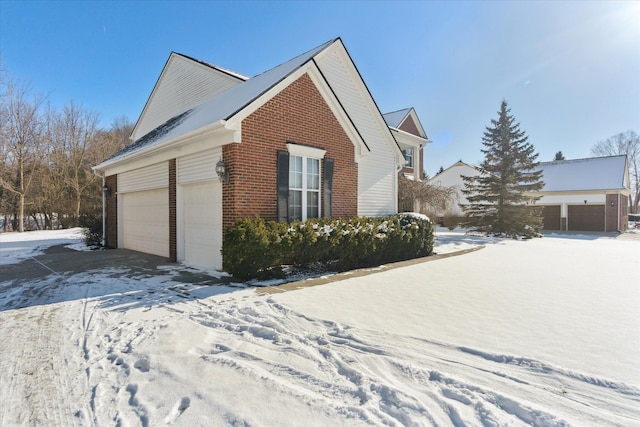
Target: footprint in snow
{"x":142,"y":365}
{"x":177,"y":410}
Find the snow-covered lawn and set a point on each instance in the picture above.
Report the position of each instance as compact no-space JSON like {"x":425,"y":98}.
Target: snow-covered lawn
{"x":539,"y":332}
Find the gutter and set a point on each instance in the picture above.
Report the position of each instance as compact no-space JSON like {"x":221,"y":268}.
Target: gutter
{"x":150,"y":149}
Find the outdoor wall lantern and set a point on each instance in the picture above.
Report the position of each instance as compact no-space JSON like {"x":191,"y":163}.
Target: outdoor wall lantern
{"x":221,"y":170}
{"x":106,"y":190}
{"x":613,"y":203}
{"x":585,"y":202}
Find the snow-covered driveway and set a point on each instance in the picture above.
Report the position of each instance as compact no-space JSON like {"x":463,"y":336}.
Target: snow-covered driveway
{"x":541,"y":332}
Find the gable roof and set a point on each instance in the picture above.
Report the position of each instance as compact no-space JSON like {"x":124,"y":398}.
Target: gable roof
{"x":448,"y":171}
{"x":405,"y":120}
{"x":183,"y":83}
{"x":219,"y":109}
{"x":394,"y":118}
{"x":596,"y":173}
{"x":214,"y":67}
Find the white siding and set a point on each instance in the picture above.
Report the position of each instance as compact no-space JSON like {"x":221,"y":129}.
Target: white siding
{"x":452,"y":177}
{"x":377,"y":187}
{"x":147,"y":178}
{"x":198,"y":167}
{"x":572,"y":199}
{"x":183,"y":85}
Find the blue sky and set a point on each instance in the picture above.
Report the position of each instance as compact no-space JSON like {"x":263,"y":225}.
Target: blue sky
{"x":570,"y":71}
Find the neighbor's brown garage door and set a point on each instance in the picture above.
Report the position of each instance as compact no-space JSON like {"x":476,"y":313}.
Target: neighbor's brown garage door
{"x":586,"y":218}
{"x":551,"y":217}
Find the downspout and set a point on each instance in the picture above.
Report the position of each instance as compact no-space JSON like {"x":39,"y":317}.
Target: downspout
{"x":104,"y":214}
{"x":104,"y":208}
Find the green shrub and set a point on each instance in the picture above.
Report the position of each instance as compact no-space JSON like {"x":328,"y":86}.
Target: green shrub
{"x":254,"y":248}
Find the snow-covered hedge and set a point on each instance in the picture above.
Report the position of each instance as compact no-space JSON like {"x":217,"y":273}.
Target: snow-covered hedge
{"x":255,"y":248}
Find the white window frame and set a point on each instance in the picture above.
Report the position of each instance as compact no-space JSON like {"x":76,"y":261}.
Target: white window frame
{"x":305,"y":152}
{"x":408,"y":157}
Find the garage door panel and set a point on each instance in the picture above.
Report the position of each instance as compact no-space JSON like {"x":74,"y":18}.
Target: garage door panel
{"x":203,"y":223}
{"x":551,"y":217}
{"x":146,"y":221}
{"x":586,"y":217}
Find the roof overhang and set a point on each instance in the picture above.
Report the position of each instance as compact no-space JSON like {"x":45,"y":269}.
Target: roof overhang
{"x":408,"y":139}
{"x":311,"y":69}
{"x":213,"y":135}
{"x":623,"y":191}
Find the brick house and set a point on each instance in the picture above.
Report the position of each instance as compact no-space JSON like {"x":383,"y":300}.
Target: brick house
{"x":304,"y":139}
{"x":411,"y":137}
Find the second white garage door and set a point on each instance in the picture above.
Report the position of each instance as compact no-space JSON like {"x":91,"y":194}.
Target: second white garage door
{"x":145,"y":217}
{"x":202,"y":223}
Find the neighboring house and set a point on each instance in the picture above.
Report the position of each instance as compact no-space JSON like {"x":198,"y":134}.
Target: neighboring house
{"x":582,"y":195}
{"x":586,"y":194}
{"x":304,"y":139}
{"x":452,"y":177}
{"x":411,"y":137}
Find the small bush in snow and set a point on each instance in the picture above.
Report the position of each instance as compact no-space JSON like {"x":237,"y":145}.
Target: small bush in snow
{"x":451,"y":220}
{"x":92,"y":225}
{"x":254,"y":248}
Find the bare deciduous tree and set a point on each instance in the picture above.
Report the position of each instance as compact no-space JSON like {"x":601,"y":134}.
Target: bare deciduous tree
{"x":420,"y":196}
{"x":21,"y":135}
{"x":74,"y":132}
{"x":624,"y":143}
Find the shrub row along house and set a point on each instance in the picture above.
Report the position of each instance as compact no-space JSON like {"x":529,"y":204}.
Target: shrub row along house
{"x":580,"y":195}
{"x":302,"y":140}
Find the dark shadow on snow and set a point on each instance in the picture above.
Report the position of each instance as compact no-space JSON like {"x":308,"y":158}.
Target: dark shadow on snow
{"x":118,"y":279}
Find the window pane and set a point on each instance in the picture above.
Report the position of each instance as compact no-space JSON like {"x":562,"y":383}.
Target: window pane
{"x":295,"y":205}
{"x":313,"y":174}
{"x":408,"y":156}
{"x":312,"y":204}
{"x":295,"y":172}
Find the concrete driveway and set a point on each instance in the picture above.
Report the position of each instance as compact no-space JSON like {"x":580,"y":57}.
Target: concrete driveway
{"x":63,"y":261}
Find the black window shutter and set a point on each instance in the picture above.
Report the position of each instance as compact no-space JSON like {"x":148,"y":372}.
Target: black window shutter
{"x":283,"y":186}
{"x":327,"y":183}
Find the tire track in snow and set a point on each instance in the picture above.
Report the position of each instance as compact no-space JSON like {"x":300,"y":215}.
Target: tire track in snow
{"x":38,"y":371}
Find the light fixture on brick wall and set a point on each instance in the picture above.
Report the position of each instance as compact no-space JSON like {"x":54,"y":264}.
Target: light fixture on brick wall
{"x":613,"y":203}
{"x":106,"y":190}
{"x":222,"y":171}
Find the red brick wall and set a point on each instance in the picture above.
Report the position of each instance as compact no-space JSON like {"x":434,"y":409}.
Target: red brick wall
{"x":624,"y":213}
{"x":616,"y":216}
{"x":409,"y":126}
{"x":173,"y":252}
{"x":111,"y":223}
{"x":298,"y":114}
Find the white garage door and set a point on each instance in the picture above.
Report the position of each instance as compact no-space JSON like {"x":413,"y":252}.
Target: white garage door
{"x":145,"y":216}
{"x":203,"y":223}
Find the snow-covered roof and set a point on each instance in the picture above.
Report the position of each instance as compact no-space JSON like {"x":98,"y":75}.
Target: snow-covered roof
{"x":394,"y":118}
{"x":597,"y":173}
{"x":222,"y":106}
{"x":215,"y":67}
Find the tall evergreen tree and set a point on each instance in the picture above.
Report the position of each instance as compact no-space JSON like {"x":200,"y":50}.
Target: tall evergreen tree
{"x":501,"y":198}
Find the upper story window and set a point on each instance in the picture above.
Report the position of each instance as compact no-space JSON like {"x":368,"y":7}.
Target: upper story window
{"x":408,"y":157}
